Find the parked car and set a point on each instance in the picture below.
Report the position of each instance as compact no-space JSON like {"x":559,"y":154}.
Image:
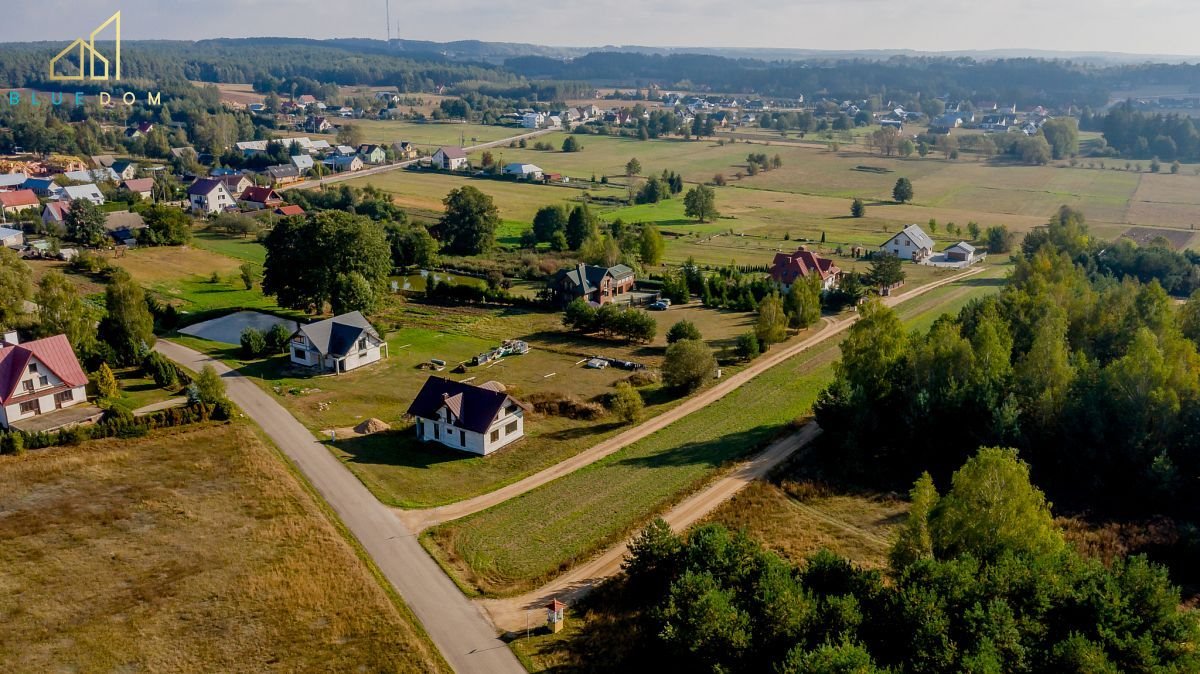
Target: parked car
{"x":660,"y":306}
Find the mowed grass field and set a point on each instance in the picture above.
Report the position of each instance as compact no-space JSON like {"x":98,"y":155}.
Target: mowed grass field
{"x":524,"y":542}
{"x":403,"y":472}
{"x":191,"y":551}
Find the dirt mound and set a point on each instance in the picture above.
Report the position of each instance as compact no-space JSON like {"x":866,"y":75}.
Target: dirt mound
{"x":371,"y":425}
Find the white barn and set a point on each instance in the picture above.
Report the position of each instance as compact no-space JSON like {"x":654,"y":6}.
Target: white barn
{"x":911,"y":243}
{"x":337,"y":344}
{"x":475,"y":419}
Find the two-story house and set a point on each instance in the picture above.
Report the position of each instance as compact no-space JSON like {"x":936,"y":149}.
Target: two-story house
{"x":788,"y":267}
{"x":337,"y":344}
{"x":911,"y":243}
{"x":476,"y":419}
{"x":210,"y":195}
{"x":450,"y":158}
{"x":38,"y":377}
{"x":598,"y":285}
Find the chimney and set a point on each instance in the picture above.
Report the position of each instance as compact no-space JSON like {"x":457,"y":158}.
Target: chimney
{"x":10,"y":338}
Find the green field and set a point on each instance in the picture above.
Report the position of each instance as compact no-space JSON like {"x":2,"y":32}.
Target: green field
{"x":247,"y":248}
{"x":403,"y":472}
{"x":523,"y":542}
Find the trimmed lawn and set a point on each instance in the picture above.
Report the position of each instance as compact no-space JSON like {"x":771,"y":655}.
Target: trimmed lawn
{"x":519,"y":544}
{"x":138,"y":390}
{"x":190,"y":551}
{"x":246,"y":248}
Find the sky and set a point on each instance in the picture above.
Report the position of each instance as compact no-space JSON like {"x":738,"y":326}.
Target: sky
{"x":1130,"y":26}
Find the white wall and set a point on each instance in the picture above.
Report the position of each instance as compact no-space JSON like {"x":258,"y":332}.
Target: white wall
{"x":11,"y":413}
{"x":354,"y":360}
{"x":451,"y":436}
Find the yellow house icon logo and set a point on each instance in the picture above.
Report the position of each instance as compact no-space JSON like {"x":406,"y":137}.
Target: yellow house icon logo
{"x":89,"y":55}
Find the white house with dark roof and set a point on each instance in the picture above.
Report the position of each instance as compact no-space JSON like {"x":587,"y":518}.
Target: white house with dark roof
{"x":337,"y":344}
{"x":210,"y":195}
{"x":87,"y":192}
{"x":476,"y":419}
{"x":911,"y":243}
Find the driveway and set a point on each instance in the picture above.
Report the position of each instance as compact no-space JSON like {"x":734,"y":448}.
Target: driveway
{"x":456,"y":626}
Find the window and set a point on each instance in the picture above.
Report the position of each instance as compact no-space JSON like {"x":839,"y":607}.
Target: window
{"x":43,"y":381}
{"x":299,"y":354}
{"x":510,"y":428}
{"x":511,"y":409}
{"x":495,"y":435}
{"x":462,"y":438}
{"x":28,"y":385}
{"x":30,"y":407}
{"x":33,"y":368}
{"x":64,"y":396}
{"x":437,"y":432}
{"x":362,"y":344}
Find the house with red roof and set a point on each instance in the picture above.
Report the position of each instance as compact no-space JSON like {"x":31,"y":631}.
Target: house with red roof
{"x":17,"y":201}
{"x":55,"y":212}
{"x":38,"y":377}
{"x":140,"y":186}
{"x":258,"y":198}
{"x":289,"y":210}
{"x":787,"y":267}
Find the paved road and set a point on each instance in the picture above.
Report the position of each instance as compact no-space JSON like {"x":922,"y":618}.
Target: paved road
{"x":419,"y":520}
{"x":376,"y":170}
{"x":457,"y":627}
{"x":511,"y":614}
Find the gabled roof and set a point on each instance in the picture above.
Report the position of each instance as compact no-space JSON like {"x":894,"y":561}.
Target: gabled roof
{"x":93,"y":175}
{"x":963,"y":246}
{"x":139,"y":185}
{"x":6,"y":232}
{"x":89,"y":192}
{"x":336,"y":336}
{"x":290,"y":209}
{"x":453,"y":152}
{"x":53,"y":352}
{"x":18,"y":199}
{"x":475,"y":406}
{"x":261,"y":195}
{"x":57,"y":209}
{"x":286,"y":170}
{"x":123,"y":220}
{"x":120,"y":166}
{"x":12,"y":179}
{"x":232,"y":181}
{"x":206,"y":186}
{"x":787,"y":266}
{"x":302,"y":161}
{"x":103,"y":160}
{"x":588,"y":277}
{"x":916,"y":234}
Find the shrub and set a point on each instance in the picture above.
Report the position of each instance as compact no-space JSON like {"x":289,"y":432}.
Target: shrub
{"x":254,"y":343}
{"x":747,"y":346}
{"x":688,"y":364}
{"x":106,"y":382}
{"x":160,"y":369}
{"x":626,"y":403}
{"x":683,"y":330}
{"x":277,"y":338}
{"x":556,"y":404}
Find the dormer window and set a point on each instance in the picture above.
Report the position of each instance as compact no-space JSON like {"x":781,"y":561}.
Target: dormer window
{"x":33,"y":368}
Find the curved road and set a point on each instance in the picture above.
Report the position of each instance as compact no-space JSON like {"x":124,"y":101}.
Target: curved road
{"x":457,"y":627}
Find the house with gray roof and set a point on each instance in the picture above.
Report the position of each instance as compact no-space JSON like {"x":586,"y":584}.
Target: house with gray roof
{"x":477,"y":419}
{"x":337,"y":344}
{"x":911,"y":243}
{"x":598,"y":285}
{"x":89,"y":192}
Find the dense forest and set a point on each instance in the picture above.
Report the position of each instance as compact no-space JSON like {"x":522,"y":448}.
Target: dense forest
{"x":980,"y":579}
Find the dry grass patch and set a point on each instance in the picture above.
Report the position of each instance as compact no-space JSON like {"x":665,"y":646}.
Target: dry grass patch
{"x":187,"y":552}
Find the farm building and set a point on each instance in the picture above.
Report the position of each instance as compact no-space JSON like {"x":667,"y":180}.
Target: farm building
{"x":960,"y":252}
{"x":911,"y":243}
{"x":337,"y":344}
{"x":476,"y":419}
{"x":523,"y":171}
{"x":801,"y":264}
{"x":598,"y":285}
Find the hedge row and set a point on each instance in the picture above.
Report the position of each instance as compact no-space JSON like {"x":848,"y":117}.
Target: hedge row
{"x":116,"y":424}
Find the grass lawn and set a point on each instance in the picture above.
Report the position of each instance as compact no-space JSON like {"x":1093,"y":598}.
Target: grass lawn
{"x":523,"y":542}
{"x":246,"y":248}
{"x":431,"y":134}
{"x":138,"y":390}
{"x":190,"y":551}
{"x":402,"y":472}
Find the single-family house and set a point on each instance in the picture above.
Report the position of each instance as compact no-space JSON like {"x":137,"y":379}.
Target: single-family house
{"x":477,"y":419}
{"x":103,"y":160}
{"x":306,"y":99}
{"x":122,"y":227}
{"x":598,"y":285}
{"x":288,"y":211}
{"x":125,"y":170}
{"x":960,"y":252}
{"x":210,"y":195}
{"x":284,"y":174}
{"x":347,"y":163}
{"x":20,"y":200}
{"x":11,"y":238}
{"x":450,"y":158}
{"x":99,"y":175}
{"x":405,"y":150}
{"x":258,"y":198}
{"x":316,"y":124}
{"x":236,"y":183}
{"x":38,"y":377}
{"x":12,"y":181}
{"x":911,"y":243}
{"x":945,"y":123}
{"x":787,"y":268}
{"x":524,"y":171}
{"x":43,"y":187}
{"x":89,"y":192}
{"x":339,"y":344}
{"x":184,"y":152}
{"x":140,"y":186}
{"x":138,"y":130}
{"x":302,"y":162}
{"x":55,"y":213}
{"x":533,"y":120}
{"x":372,"y":154}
